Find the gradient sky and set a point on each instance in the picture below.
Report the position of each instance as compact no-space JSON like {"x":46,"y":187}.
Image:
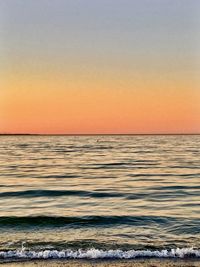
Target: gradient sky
{"x":100,"y":66}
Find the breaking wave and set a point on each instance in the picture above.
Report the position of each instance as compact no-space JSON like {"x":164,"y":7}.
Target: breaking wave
{"x":100,"y":254}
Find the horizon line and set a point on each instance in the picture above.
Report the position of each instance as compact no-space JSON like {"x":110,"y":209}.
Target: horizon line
{"x":92,"y":134}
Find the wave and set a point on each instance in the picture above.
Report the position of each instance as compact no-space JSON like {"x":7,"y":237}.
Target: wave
{"x":90,"y":221}
{"x":57,"y":193}
{"x":179,"y":192}
{"x":100,"y":254}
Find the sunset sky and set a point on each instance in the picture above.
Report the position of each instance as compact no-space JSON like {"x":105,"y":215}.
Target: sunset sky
{"x":99,"y":66}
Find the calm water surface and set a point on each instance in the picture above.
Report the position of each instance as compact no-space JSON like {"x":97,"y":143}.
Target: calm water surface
{"x":99,"y":193}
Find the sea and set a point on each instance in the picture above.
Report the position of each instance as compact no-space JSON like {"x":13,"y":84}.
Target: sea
{"x":99,"y":196}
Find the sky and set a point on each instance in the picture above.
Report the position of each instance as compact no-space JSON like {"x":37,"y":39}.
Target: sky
{"x":99,"y":66}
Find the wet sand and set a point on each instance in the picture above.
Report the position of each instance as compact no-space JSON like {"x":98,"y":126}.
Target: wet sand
{"x":108,"y":263}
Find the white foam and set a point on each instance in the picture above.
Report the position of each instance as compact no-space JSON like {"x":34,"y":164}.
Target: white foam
{"x":100,"y":254}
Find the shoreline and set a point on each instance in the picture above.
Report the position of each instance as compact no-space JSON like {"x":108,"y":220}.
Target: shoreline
{"x":187,"y":262}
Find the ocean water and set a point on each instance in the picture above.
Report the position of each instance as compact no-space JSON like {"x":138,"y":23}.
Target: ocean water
{"x":99,"y":196}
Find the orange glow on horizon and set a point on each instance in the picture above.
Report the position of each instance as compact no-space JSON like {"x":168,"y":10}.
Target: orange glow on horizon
{"x":81,"y":106}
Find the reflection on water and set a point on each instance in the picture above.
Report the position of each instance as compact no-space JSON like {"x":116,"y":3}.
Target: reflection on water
{"x":99,"y":191}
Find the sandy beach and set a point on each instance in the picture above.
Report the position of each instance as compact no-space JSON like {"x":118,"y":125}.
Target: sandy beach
{"x":108,"y":263}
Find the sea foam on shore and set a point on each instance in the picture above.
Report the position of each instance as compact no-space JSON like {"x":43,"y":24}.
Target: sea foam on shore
{"x":100,"y":254}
